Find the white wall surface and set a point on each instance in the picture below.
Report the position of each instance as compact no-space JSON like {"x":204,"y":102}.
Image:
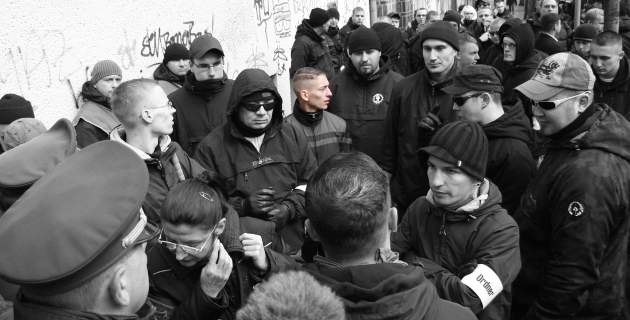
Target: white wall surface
{"x":47,"y":47}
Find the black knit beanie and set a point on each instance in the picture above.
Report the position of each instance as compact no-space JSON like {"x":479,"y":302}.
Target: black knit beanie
{"x":585,"y":31}
{"x":441,"y":30}
{"x":363,"y":39}
{"x":463,"y":144}
{"x":318,"y":17}
{"x":452,"y":15}
{"x":13,"y":107}
{"x":333,"y":13}
{"x":175,"y":51}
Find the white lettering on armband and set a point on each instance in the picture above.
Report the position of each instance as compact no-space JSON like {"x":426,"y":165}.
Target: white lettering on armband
{"x":485,"y":283}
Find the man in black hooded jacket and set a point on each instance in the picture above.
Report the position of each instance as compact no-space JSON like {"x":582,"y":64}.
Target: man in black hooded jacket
{"x":309,"y":48}
{"x":201,"y":103}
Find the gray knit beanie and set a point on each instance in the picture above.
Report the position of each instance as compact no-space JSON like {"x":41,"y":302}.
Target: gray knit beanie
{"x":103,"y":69}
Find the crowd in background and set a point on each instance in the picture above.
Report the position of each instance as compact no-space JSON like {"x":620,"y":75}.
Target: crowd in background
{"x":469,"y":165}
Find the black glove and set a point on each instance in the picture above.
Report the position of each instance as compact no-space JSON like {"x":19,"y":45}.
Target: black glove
{"x":467,"y":268}
{"x":261,"y":202}
{"x":281,"y":214}
{"x":430,"y":123}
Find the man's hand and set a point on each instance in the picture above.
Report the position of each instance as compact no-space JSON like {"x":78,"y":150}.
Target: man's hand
{"x":280,"y":215}
{"x":484,"y":37}
{"x":216,"y":273}
{"x":430,"y":123}
{"x":253,"y":248}
{"x":261,"y":202}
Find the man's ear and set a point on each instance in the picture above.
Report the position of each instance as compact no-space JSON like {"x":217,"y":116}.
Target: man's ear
{"x":392,"y":219}
{"x":220,"y":227}
{"x":118,"y":287}
{"x":311,"y":231}
{"x":304,"y":94}
{"x":146,"y":116}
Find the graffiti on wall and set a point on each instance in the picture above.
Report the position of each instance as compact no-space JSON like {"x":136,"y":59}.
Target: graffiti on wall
{"x":156,"y":40}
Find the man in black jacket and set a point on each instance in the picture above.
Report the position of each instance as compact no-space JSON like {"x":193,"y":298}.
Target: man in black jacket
{"x":202,"y":102}
{"x":309,"y":48}
{"x":575,"y":214}
{"x":477,"y":94}
{"x":610,"y":65}
{"x":547,"y":41}
{"x":362,"y":92}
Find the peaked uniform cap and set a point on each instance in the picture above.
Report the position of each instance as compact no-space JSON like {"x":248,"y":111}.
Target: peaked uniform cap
{"x":76,"y":221}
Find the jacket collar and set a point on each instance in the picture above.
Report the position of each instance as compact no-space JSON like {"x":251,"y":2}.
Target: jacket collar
{"x":119,"y":136}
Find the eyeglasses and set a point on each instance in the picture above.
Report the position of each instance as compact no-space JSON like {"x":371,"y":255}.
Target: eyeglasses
{"x":207,"y":66}
{"x":168,"y":105}
{"x":255,"y":106}
{"x":172,"y":246}
{"x":550,"y":105}
{"x":461,"y":100}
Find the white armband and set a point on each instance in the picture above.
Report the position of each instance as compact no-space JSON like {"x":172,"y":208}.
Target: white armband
{"x":485,"y":283}
{"x":301,"y":187}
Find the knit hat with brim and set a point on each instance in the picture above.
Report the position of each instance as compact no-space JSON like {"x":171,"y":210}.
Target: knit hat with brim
{"x":463,"y":144}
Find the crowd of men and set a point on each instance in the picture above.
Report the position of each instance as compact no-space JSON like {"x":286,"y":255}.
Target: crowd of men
{"x":472,"y":165}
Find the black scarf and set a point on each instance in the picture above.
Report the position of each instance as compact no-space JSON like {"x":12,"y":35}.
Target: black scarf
{"x":332,"y":31}
{"x":206,"y":88}
{"x":162,"y":72}
{"x":576,"y":127}
{"x":309,"y":119}
{"x":89,"y":92}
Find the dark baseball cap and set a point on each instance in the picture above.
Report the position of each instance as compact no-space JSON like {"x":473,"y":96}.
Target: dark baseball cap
{"x":475,"y":77}
{"x":204,"y":43}
{"x":76,"y":221}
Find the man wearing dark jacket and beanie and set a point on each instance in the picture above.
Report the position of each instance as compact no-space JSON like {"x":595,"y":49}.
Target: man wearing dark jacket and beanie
{"x":350,"y":212}
{"x":393,"y":47}
{"x":418,"y":107}
{"x":201,"y":103}
{"x":612,"y":72}
{"x":333,"y":39}
{"x":171,"y":73}
{"x":266,"y":163}
{"x":477,"y":94}
{"x":146,"y":116}
{"x":95,"y":120}
{"x":309,"y":48}
{"x":519,"y":63}
{"x":467,"y":243}
{"x":575,"y":215}
{"x":362,"y":92}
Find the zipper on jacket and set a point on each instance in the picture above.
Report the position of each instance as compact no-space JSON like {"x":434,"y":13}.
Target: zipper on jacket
{"x":443,"y":226}
{"x":245,"y":176}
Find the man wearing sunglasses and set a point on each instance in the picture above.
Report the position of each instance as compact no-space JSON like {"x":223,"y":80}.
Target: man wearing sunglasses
{"x":574,"y":215}
{"x":202,"y":102}
{"x":266,"y":163}
{"x":146,"y":116}
{"x":476,"y":92}
{"x":76,"y":240}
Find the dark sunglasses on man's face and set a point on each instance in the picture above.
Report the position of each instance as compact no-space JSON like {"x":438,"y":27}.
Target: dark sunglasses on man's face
{"x":461,"y":100}
{"x":550,"y":105}
{"x":255,"y":106}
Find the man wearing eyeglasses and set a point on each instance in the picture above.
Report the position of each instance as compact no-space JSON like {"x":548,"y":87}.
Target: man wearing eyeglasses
{"x":575,"y":214}
{"x":202,"y":102}
{"x":146,"y":116}
{"x":76,"y":240}
{"x":266,"y":163}
{"x":476,"y":91}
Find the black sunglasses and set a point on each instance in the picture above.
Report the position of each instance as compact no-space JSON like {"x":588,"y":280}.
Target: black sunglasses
{"x":253,"y":107}
{"x":461,"y":100}
{"x":550,"y":105}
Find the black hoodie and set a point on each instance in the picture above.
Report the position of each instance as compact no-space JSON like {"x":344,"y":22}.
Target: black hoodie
{"x":393,"y":47}
{"x":615,"y":94}
{"x":510,"y":162}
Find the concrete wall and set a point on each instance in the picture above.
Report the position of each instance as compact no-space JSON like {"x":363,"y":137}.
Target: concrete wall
{"x":47,"y":47}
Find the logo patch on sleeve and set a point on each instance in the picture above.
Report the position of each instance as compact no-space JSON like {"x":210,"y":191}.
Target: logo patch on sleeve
{"x":485,"y":283}
{"x":576,"y":209}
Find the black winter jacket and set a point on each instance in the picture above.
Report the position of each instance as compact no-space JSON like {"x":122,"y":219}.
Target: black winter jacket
{"x":547,"y":44}
{"x":198,"y":111}
{"x":309,"y":50}
{"x":511,"y":164}
{"x":284,"y":162}
{"x":363,"y":103}
{"x":615,"y":94}
{"x":411,"y":100}
{"x":574,"y":220}
{"x":458,"y":247}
